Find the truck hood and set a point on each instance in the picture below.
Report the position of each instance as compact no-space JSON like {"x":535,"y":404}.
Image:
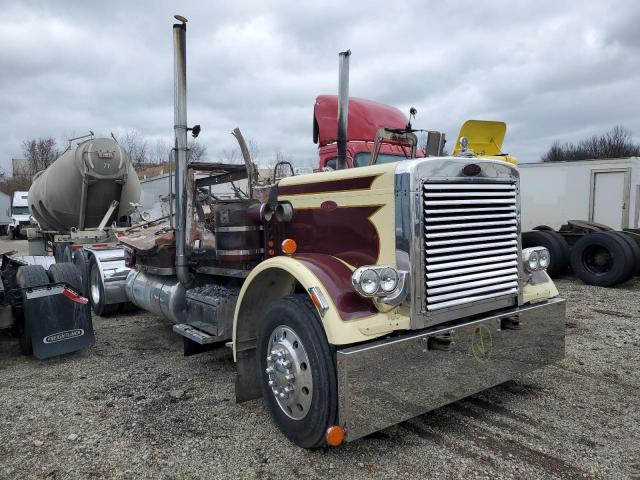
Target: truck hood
{"x":485,"y":137}
{"x":366,"y":117}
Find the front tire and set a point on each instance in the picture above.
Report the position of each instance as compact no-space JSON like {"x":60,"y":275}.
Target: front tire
{"x":298,"y":373}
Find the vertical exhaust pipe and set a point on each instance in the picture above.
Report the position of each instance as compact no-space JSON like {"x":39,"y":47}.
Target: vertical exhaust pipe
{"x":180,"y":131}
{"x":343,"y":109}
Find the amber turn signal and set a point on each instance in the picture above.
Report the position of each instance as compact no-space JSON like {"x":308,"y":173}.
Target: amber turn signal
{"x":289,"y":246}
{"x":334,"y":436}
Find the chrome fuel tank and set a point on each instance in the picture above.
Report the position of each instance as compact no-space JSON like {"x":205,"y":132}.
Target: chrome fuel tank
{"x":162,"y":295}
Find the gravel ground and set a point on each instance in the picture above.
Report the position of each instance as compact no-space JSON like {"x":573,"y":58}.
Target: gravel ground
{"x":133,"y":407}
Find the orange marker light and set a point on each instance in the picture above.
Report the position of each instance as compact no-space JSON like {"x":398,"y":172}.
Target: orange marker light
{"x":289,"y":246}
{"x":334,"y":436}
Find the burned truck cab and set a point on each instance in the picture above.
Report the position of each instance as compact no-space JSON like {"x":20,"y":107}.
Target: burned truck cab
{"x":354,"y":299}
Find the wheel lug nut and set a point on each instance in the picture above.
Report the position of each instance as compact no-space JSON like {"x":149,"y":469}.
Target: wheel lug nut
{"x":283,"y":395}
{"x":286,"y":364}
{"x":288,"y":389}
{"x":290,"y":377}
{"x":269,"y":370}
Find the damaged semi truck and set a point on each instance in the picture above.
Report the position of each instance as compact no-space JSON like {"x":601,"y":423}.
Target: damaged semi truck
{"x":353,"y":299}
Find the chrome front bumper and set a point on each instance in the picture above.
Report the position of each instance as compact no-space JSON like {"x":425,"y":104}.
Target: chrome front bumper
{"x":386,"y":382}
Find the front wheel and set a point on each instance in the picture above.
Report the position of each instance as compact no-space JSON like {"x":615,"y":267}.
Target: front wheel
{"x":298,"y":371}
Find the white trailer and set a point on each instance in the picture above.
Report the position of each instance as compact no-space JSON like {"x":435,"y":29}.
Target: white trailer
{"x":20,"y":217}
{"x":5,"y":213}
{"x":587,"y":214}
{"x":600,"y":191}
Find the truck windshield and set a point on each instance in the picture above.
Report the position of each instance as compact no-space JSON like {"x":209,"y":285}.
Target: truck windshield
{"x":364,"y":158}
{"x":20,"y":210}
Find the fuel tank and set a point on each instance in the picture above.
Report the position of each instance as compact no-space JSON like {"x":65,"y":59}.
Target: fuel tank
{"x":78,"y":187}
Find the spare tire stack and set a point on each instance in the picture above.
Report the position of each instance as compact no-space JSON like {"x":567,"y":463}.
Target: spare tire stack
{"x":556,"y":244}
{"x":605,"y":259}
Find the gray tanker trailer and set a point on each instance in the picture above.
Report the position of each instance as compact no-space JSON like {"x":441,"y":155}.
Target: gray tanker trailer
{"x":77,"y":190}
{"x":81,"y":202}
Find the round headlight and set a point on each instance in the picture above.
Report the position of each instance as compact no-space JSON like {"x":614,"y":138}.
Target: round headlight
{"x":533,"y":262}
{"x":388,"y":280}
{"x":543,"y":258}
{"x":369,"y":282}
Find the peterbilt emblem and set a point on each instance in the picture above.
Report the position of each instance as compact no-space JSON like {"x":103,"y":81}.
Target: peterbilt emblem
{"x":328,"y":206}
{"x":66,"y":335}
{"x":482,"y":343}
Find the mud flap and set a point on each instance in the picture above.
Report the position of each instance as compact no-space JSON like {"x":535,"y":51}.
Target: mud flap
{"x":58,"y":320}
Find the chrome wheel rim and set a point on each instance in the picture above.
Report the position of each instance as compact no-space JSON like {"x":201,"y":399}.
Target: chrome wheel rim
{"x":289,"y":372}
{"x":95,"y":286}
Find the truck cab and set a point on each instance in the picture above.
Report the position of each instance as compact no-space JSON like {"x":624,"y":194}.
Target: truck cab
{"x":20,"y":216}
{"x":367,"y":118}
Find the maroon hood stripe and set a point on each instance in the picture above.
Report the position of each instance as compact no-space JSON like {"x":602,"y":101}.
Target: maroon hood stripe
{"x":346,"y":184}
{"x":336,"y":278}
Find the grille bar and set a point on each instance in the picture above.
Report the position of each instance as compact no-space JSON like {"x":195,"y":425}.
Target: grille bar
{"x":465,"y":270}
{"x":467,"y":186}
{"x":460,"y":233}
{"x":468,"y":278}
{"x":464,"y":248}
{"x":459,"y":256}
{"x":448,"y":226}
{"x":472,"y":299}
{"x":507,"y":236}
{"x":471,"y":246}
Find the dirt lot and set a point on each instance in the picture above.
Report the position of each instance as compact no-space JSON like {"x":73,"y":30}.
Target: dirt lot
{"x":133,"y":407}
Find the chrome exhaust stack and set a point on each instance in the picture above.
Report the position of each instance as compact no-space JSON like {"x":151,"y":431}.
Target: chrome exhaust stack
{"x":343,"y":108}
{"x":180,"y":130}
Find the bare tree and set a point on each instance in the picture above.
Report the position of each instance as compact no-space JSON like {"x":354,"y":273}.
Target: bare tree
{"x":230,"y":156}
{"x":136,"y":146}
{"x":160,"y":152}
{"x":616,"y":143}
{"x":254,"y":150}
{"x":196,"y":152}
{"x":40,"y":153}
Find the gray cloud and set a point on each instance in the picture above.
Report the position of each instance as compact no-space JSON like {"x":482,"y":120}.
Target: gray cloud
{"x":551,"y":70}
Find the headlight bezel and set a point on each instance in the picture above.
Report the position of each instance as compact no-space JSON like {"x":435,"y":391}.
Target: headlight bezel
{"x":531,"y":259}
{"x":359,"y":274}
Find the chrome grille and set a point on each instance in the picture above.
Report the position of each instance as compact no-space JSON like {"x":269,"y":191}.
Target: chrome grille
{"x":471,"y":243}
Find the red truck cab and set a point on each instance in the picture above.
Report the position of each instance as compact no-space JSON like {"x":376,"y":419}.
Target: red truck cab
{"x":366,"y":117}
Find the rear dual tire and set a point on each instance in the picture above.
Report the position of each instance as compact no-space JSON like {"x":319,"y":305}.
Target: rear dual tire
{"x":96,"y":291}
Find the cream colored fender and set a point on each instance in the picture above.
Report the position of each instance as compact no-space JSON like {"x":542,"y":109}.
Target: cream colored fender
{"x":276,"y":278}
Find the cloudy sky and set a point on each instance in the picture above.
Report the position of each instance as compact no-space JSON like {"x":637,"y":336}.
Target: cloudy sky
{"x":552,"y":70}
